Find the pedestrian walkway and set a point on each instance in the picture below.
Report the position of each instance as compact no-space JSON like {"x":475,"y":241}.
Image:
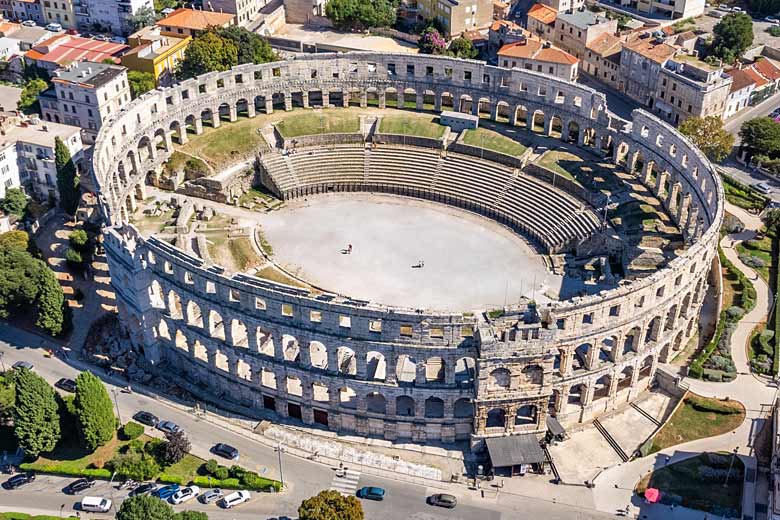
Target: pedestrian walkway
{"x":347,"y":484}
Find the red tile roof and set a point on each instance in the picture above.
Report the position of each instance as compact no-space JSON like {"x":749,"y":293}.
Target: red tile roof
{"x":533,"y":49}
{"x":742,"y":78}
{"x":196,"y":19}
{"x":543,"y":13}
{"x":767,"y":68}
{"x":64,"y":48}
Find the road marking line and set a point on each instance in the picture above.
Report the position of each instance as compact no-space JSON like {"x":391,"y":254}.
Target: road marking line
{"x":347,"y":484}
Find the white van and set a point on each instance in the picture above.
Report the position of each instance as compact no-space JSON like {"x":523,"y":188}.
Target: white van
{"x":95,"y":504}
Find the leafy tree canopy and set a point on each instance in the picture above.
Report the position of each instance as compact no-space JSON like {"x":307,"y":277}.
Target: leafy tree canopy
{"x":94,"y":411}
{"x":361,"y":14}
{"x":140,"y":82}
{"x":144,"y":17}
{"x":207,"y":53}
{"x":36,"y":417}
{"x":15,"y":240}
{"x":462,"y":48}
{"x":15,"y":202}
{"x":68,"y":182}
{"x":733,"y":35}
{"x":252,"y":48}
{"x":175,"y":447}
{"x":764,"y":7}
{"x":28,"y":102}
{"x":762,"y":135}
{"x":771,"y":220}
{"x":331,"y":505}
{"x":708,"y":134}
{"x":144,"y":508}
{"x":432,"y":42}
{"x":190,"y":515}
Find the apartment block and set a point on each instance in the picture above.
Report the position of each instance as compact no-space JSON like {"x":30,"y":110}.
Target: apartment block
{"x":108,"y":15}
{"x":59,"y":11}
{"x":245,"y":11}
{"x":690,"y":87}
{"x":27,"y":10}
{"x":457,"y":16}
{"x":191,"y":22}
{"x":669,"y":9}
{"x":532,"y":53}
{"x":156,"y":53}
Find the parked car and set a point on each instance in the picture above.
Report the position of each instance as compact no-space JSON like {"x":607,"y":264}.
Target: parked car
{"x":96,"y":504}
{"x":147,"y":488}
{"x":146,"y":418}
{"x":771,"y":19}
{"x":118,"y":39}
{"x":72,"y":32}
{"x":19,"y":480}
{"x":77,"y":486}
{"x":69,"y":385}
{"x":167,"y":492}
{"x":762,"y":187}
{"x":101,"y":38}
{"x":29,"y":23}
{"x":212,"y":495}
{"x":54,"y":27}
{"x":168,"y":427}
{"x":371,"y":493}
{"x":23,"y":364}
{"x":724,"y":7}
{"x":736,"y":9}
{"x":225,"y":450}
{"x":185,"y":494}
{"x":235,"y":498}
{"x":443,"y":500}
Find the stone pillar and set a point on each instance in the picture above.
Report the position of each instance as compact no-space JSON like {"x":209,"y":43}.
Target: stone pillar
{"x":419,"y":376}
{"x":152,"y":149}
{"x":304,"y":352}
{"x":671,"y":200}
{"x":647,"y":172}
{"x":565,"y":132}
{"x":185,"y":316}
{"x":361,"y":363}
{"x":419,"y":408}
{"x":168,"y":142}
{"x":587,"y":399}
{"x":251,"y":337}
{"x":391,"y":361}
{"x":183,"y":139}
{"x":613,"y":384}
{"x":211,"y":355}
{"x":278,"y":346}
{"x":660,"y":181}
{"x":305,"y":95}
{"x":437,"y":102}
{"x":400,"y":98}
{"x":567,"y":362}
{"x":216,"y":121}
{"x":634,"y":376}
{"x":449,"y":372}
{"x":333,"y":360}
{"x":233,"y":113}
{"x":363,"y":99}
{"x":227,"y":324}
{"x":509,"y":418}
{"x":592,"y":356}
{"x":494,"y":112}
{"x":382,"y":99}
{"x":391,"y":408}
{"x":598,"y":143}
{"x":250,"y":109}
{"x":562,"y":399}
{"x":232,"y":361}
{"x":287,"y":101}
{"x":345,"y":97}
{"x":682,"y":210}
{"x":420,"y":100}
{"x":692,"y":220}
{"x":198,"y":125}
{"x":529,"y":120}
{"x":475,"y":106}
{"x":325,"y":99}
{"x":617,"y":349}
{"x":269,"y":105}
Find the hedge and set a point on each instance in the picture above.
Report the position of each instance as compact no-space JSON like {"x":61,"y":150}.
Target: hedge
{"x":65,"y":470}
{"x":132,"y":430}
{"x":259,"y":484}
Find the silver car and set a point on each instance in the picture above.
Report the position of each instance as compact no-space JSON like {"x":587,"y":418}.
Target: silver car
{"x":168,"y":427}
{"x":212,"y":495}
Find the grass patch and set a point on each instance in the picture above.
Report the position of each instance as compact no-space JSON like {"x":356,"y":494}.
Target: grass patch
{"x":697,"y":418}
{"x":421,"y":125}
{"x":742,"y":195}
{"x":273,"y":274}
{"x":310,"y":123}
{"x":243,"y":253}
{"x":698,"y":483}
{"x":70,"y":457}
{"x":227,"y":144}
{"x":759,"y":248}
{"x":490,"y":140}
{"x":252,"y":194}
{"x":551,"y":161}
{"x":183,"y":471}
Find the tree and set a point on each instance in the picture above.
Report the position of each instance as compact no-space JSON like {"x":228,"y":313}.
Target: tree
{"x":28,"y":101}
{"x":78,"y":239}
{"x":733,"y":35}
{"x":360,"y":14}
{"x":94,"y":411}
{"x":252,"y":48}
{"x":144,"y":17}
{"x":764,"y":6}
{"x":462,"y":48}
{"x":771,"y":220}
{"x":176,"y":446}
{"x":330,"y":505}
{"x":762,"y":135}
{"x":432,"y":42}
{"x":15,"y":240}
{"x":140,"y":82}
{"x":190,"y":515}
{"x":68,"y":182}
{"x":144,"y":507}
{"x":15,"y":202}
{"x":207,"y":53}
{"x":36,"y":417}
{"x":708,"y":134}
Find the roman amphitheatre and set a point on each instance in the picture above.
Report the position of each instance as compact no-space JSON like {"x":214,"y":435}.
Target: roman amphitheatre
{"x":308,"y":237}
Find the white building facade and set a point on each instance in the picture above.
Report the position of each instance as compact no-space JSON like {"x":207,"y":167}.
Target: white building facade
{"x":110,"y":15}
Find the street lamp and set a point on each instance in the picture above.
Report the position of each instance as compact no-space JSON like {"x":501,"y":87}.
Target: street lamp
{"x":731,"y":464}
{"x":116,"y":403}
{"x":279,"y":450}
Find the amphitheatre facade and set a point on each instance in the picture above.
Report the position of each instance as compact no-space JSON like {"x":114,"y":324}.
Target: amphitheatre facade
{"x":312,"y":355}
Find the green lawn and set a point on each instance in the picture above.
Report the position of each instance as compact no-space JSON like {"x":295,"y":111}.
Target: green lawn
{"x":227,"y":144}
{"x":492,"y":141}
{"x":697,"y":418}
{"x":761,"y":248}
{"x":183,"y":471}
{"x":698,"y":483}
{"x":71,"y":458}
{"x":275,"y":275}
{"x":551,"y":160}
{"x":243,"y":253}
{"x":422,"y":125}
{"x":328,"y":122}
{"x":253,"y":193}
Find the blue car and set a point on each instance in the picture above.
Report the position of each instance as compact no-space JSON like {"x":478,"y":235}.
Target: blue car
{"x":164,"y":493}
{"x":371,"y":493}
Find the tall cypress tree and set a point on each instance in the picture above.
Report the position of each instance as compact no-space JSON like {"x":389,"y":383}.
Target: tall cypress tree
{"x":36,"y":416}
{"x":94,"y":411}
{"x":67,"y":178}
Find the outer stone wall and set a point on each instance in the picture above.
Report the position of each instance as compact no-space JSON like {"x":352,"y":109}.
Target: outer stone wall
{"x":446,"y":376}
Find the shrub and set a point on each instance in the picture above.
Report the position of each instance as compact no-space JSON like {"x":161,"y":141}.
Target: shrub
{"x":66,"y":470}
{"x":734,"y":313}
{"x":255,"y":483}
{"x":237,"y":471}
{"x":78,"y":239}
{"x":221,"y":473}
{"x":174,"y":448}
{"x":774,"y":31}
{"x":210,"y":466}
{"x":132,"y":430}
{"x":138,"y":466}
{"x":135,"y":446}
{"x":73,"y":258}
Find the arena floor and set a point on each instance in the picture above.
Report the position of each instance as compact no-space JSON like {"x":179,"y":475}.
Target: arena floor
{"x":470,"y":262}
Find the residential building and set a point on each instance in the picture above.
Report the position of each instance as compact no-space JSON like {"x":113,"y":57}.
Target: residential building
{"x":501,"y":9}
{"x":28,"y":37}
{"x":59,"y":11}
{"x":85,"y":94}
{"x":669,"y":9}
{"x":641,"y":61}
{"x":541,"y":20}
{"x":744,"y":82}
{"x":503,"y":32}
{"x":245,"y":11}
{"x":532,"y":53}
{"x":10,"y":176}
{"x":688,"y":87}
{"x":602,"y":59}
{"x":574,"y":30}
{"x":191,"y":22}
{"x":562,"y":6}
{"x":27,"y":10}
{"x":155,"y":53}
{"x":108,"y":15}
{"x":64,"y":49}
{"x":303,"y":11}
{"x":770,"y":71}
{"x":457,"y":16}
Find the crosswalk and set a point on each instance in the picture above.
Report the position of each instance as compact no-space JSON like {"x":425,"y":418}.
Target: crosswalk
{"x":347,"y":484}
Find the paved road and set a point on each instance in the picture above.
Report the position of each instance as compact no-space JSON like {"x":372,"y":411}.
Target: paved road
{"x":303,"y":477}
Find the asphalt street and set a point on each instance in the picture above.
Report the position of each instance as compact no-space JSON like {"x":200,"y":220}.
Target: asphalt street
{"x":303,"y":477}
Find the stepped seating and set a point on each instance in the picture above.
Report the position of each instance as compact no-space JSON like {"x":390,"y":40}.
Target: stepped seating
{"x":554,"y":218}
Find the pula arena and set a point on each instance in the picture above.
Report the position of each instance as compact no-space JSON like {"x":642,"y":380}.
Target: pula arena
{"x":266,"y":345}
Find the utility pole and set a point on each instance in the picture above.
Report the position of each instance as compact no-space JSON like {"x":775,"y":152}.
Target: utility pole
{"x":116,"y":403}
{"x":279,"y":450}
{"x":731,"y":464}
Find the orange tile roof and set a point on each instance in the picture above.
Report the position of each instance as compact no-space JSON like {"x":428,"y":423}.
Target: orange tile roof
{"x":767,"y":69}
{"x":543,"y":13}
{"x":533,"y":49}
{"x":512,"y":26}
{"x":741,"y":78}
{"x":605,"y":44}
{"x":757,"y":78}
{"x":195,"y":19}
{"x":8,"y":28}
{"x":658,"y":52}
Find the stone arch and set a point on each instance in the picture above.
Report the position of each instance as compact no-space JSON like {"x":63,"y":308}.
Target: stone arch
{"x":347,"y":398}
{"x":180,"y":340}
{"x":499,"y":379}
{"x":531,"y":375}
{"x":199,"y":351}
{"x":556,"y":126}
{"x":526,"y":414}
{"x":434,"y":370}
{"x":601,"y":387}
{"x":465,"y":104}
{"x":145,"y":148}
{"x":216,"y":326}
{"x":521,"y":116}
{"x":238,"y":332}
{"x":190,"y":124}
{"x":465,"y":368}
{"x":268,"y":378}
{"x":224,"y":111}
{"x":646,"y":367}
{"x":581,"y":355}
{"x":163,"y":331}
{"x":376,"y":403}
{"x":447,"y":101}
{"x":318,"y":355}
{"x":537,"y":121}
{"x":391,"y":97}
{"x":242,"y":107}
{"x":686,"y":304}
{"x":631,"y":342}
{"x":291,"y":350}
{"x":404,"y":406}
{"x":653,"y":330}
{"x":496,"y":418}
{"x":221,"y":361}
{"x":577,"y":394}
{"x":607,"y":349}
{"x":347,"y":361}
{"x":484,"y":107}
{"x":625,"y":377}
{"x":406,"y":369}
{"x":463,"y":408}
{"x":678,"y":341}
{"x":376,"y":366}
{"x":671,"y":317}
{"x":573,"y":130}
{"x":160,"y":140}
{"x":503,"y":112}
{"x":434,"y":408}
{"x":207,"y":115}
{"x":156,"y":298}
{"x":174,"y":305}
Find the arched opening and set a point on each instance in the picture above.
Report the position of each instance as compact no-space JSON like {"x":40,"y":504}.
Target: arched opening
{"x":320,"y":392}
{"x":573,"y":131}
{"x":464,"y":372}
{"x":156,"y":295}
{"x":199,"y":351}
{"x":499,"y":379}
{"x":607,"y":349}
{"x":526,"y":415}
{"x":376,"y":366}
{"x":347,"y":361}
{"x":290,"y":348}
{"x":653,"y":329}
{"x":318,"y":355}
{"x":624,"y":380}
{"x":434,"y":408}
{"x":434,"y":370}
{"x":375,"y":403}
{"x":631,"y":343}
{"x":537,"y":121}
{"x":294,"y":386}
{"x":216,"y":326}
{"x":267,"y":378}
{"x":496,"y":418}
{"x":671,"y":318}
{"x":406,"y":369}
{"x":601,"y":387}
{"x":404,"y":406}
{"x":347,"y":398}
{"x":463,"y":408}
{"x":576,"y":394}
{"x":239,"y":334}
{"x":556,"y":127}
{"x":647,"y":366}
